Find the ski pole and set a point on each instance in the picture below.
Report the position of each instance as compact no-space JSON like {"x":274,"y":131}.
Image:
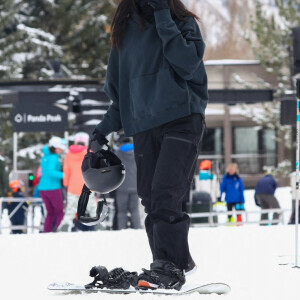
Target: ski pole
{"x":297,"y":173}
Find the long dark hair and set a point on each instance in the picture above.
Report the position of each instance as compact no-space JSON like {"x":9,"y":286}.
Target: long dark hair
{"x":125,"y":9}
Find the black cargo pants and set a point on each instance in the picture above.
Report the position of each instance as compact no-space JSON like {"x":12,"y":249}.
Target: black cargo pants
{"x":166,"y":157}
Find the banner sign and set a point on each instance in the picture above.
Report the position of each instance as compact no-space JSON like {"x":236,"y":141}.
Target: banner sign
{"x":38,"y":118}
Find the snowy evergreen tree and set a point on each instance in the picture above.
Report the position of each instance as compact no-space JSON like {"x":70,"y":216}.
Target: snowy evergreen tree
{"x":24,"y":47}
{"x":84,"y":35}
{"x":270,"y":40}
{"x":34,"y":31}
{"x":272,"y":27}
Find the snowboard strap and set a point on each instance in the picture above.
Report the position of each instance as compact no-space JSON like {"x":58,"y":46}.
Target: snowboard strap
{"x":117,"y":278}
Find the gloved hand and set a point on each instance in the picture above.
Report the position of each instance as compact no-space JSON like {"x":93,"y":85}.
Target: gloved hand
{"x":159,"y":4}
{"x":100,"y":138}
{"x":219,"y":199}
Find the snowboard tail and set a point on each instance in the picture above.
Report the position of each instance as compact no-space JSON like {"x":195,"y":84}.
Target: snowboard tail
{"x":211,"y":288}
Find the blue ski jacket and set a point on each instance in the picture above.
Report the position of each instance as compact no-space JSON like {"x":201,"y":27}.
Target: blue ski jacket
{"x":233,"y":187}
{"x":51,"y":171}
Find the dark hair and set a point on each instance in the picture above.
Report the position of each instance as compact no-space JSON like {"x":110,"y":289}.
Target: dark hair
{"x":52,"y":149}
{"x":125,"y":9}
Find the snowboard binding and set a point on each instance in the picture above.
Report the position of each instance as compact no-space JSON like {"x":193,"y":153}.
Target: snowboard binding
{"x":117,"y":278}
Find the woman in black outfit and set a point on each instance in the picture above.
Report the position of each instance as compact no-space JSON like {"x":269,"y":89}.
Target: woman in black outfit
{"x":158,"y":86}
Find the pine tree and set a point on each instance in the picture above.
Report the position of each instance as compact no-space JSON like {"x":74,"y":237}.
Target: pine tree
{"x":34,"y":31}
{"x":23,"y":45}
{"x":9,"y":37}
{"x":86,"y":40}
{"x":270,"y":40}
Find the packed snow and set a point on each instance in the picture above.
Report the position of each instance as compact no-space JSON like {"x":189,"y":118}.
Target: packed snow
{"x":256,"y":261}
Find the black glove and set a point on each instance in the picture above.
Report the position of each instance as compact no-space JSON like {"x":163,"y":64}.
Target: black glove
{"x":219,"y":199}
{"x":100,"y":138}
{"x":159,"y":4}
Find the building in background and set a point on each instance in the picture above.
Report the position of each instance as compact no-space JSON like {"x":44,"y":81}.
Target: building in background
{"x":232,"y":136}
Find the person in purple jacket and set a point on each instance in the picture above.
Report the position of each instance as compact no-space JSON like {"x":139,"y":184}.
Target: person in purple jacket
{"x":264,"y":197}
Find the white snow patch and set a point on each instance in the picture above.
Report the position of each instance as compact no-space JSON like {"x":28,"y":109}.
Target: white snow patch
{"x":92,"y":122}
{"x":94,"y":112}
{"x":256,"y":261}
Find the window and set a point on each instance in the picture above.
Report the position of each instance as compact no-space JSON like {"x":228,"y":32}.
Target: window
{"x":212,"y":143}
{"x":253,"y":148}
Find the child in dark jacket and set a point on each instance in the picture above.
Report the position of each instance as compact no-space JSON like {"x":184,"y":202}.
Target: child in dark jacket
{"x":232,"y":185}
{"x":19,"y":209}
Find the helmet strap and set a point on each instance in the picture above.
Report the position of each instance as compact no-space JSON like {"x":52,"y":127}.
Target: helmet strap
{"x":101,"y":213}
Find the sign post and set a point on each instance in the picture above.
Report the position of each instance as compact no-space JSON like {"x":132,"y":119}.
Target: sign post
{"x":33,"y":117}
{"x":297,"y":174}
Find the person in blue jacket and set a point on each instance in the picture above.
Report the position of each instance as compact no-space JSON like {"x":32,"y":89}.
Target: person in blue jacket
{"x":50,"y":184}
{"x":233,"y":187}
{"x":157,"y":82}
{"x":264,"y":197}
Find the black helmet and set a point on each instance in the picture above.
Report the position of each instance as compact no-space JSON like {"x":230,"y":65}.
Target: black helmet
{"x":102,"y":171}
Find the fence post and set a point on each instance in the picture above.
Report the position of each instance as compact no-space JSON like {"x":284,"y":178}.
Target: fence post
{"x":0,"y":215}
{"x":297,"y":173}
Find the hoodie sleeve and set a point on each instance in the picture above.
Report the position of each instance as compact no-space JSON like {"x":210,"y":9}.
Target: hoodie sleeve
{"x":112,"y":119}
{"x":184,"y":47}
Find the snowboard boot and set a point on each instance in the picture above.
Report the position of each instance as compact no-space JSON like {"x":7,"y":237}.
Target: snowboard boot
{"x":163,"y":275}
{"x":191,"y":268}
{"x":239,"y":220}
{"x":230,"y":221}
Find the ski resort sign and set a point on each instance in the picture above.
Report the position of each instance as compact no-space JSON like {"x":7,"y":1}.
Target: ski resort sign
{"x":38,"y":118}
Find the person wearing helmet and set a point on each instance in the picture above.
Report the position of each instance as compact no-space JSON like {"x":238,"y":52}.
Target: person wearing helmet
{"x":73,"y":180}
{"x":49,"y":184}
{"x":157,"y":82}
{"x":127,"y":199}
{"x":18,"y":217}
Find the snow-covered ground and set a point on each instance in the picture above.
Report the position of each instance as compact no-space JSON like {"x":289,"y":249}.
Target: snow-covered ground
{"x":256,"y":261}
{"x":246,"y":257}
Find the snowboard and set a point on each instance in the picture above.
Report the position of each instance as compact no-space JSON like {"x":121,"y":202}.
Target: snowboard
{"x":211,"y":288}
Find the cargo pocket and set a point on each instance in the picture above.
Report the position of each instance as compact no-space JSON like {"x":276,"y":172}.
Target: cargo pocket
{"x":155,"y":93}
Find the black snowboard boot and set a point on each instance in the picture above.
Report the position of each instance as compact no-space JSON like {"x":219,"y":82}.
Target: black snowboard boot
{"x":191,"y":268}
{"x":163,"y":274}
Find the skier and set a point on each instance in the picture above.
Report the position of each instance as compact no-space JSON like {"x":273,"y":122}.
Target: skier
{"x":158,"y":86}
{"x":264,"y":197}
{"x":18,"y":218}
{"x":127,"y":199}
{"x":50,"y":183}
{"x":232,"y":185}
{"x":74,"y":182}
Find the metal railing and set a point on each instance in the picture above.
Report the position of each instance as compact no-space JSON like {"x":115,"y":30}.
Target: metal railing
{"x":211,"y":216}
{"x":245,"y":217}
{"x":32,"y":202}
